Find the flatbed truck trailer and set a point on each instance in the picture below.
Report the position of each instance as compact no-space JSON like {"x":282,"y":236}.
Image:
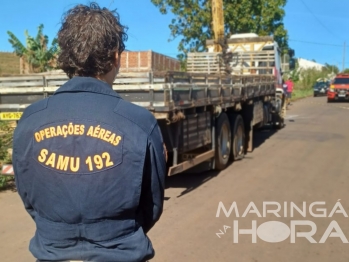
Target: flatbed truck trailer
{"x":205,"y":115}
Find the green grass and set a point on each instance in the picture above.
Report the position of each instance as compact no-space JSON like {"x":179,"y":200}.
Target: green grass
{"x":6,"y":182}
{"x":301,"y":93}
{"x":9,"y":64}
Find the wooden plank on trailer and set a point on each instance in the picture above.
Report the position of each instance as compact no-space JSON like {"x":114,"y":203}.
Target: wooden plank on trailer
{"x":56,"y":83}
{"x":159,"y":80}
{"x":21,"y":78}
{"x":202,"y":54}
{"x":203,"y":66}
{"x":20,"y":84}
{"x":140,"y":87}
{"x":130,"y":80}
{"x":202,"y":60}
{"x":57,"y":77}
{"x":21,"y":90}
{"x":13,"y":107}
{"x":142,"y":104}
{"x":50,"y":89}
{"x":132,"y":74}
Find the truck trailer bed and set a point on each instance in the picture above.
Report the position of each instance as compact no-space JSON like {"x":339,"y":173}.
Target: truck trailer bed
{"x":158,"y":92}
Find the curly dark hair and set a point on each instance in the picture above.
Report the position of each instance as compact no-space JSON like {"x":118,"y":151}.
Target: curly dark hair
{"x":88,"y":39}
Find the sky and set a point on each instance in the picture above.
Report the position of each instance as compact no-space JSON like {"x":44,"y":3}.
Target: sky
{"x":317,"y":29}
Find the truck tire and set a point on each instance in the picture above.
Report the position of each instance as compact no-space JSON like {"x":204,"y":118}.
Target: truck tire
{"x":239,"y":138}
{"x":279,"y":117}
{"x":264,"y":122}
{"x":223,"y":142}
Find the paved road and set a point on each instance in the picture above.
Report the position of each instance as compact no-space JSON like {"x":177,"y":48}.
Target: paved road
{"x":306,"y":162}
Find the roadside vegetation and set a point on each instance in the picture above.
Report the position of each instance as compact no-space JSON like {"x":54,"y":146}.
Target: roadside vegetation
{"x":37,"y":55}
{"x":304,"y":79}
{"x":6,"y":139}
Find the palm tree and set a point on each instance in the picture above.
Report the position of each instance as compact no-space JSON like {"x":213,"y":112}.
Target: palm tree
{"x":36,"y":53}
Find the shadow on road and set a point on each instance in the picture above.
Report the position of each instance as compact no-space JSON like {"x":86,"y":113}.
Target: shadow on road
{"x":190,"y":181}
{"x":262,"y":135}
{"x":196,"y":178}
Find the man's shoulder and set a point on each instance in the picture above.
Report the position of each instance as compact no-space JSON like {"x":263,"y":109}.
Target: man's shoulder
{"x":34,"y":108}
{"x":136,"y":114}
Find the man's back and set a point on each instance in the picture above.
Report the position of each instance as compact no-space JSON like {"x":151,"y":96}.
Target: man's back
{"x":84,"y":160}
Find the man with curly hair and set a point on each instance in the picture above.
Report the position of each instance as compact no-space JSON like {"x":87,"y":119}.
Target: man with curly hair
{"x":90,"y":166}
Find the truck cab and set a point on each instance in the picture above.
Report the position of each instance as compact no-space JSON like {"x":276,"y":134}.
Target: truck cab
{"x":339,"y":88}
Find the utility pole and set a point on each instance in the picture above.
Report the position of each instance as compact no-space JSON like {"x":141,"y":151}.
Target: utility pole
{"x":343,"y":67}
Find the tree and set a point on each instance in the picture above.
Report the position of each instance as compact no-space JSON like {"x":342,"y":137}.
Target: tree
{"x":346,"y":71}
{"x":193,"y":20}
{"x":330,"y":68}
{"x":36,"y":53}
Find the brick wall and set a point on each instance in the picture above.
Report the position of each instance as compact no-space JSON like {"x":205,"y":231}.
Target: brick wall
{"x":164,"y":63}
{"x":144,"y":61}
{"x":9,"y":64}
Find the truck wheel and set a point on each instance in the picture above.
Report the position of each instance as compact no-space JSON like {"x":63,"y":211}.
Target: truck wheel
{"x":279,"y":117}
{"x":223,"y":142}
{"x":239,"y":140}
{"x":265,"y":119}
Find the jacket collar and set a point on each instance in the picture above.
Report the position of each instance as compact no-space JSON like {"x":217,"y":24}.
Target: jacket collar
{"x":86,"y":84}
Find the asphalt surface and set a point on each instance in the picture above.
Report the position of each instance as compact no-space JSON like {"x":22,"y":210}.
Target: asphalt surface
{"x":303,"y":163}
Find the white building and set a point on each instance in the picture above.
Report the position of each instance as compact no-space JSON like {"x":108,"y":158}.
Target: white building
{"x":307,"y":64}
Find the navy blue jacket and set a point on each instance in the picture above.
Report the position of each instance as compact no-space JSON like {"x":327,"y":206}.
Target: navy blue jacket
{"x":90,"y":169}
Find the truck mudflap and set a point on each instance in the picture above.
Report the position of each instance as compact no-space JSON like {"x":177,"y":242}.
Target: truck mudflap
{"x":173,"y":170}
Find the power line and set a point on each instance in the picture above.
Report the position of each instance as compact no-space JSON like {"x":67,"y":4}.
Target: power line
{"x":328,"y":30}
{"x":314,"y":43}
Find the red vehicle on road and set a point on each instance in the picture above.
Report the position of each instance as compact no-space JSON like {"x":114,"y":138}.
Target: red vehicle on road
{"x":339,"y":88}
